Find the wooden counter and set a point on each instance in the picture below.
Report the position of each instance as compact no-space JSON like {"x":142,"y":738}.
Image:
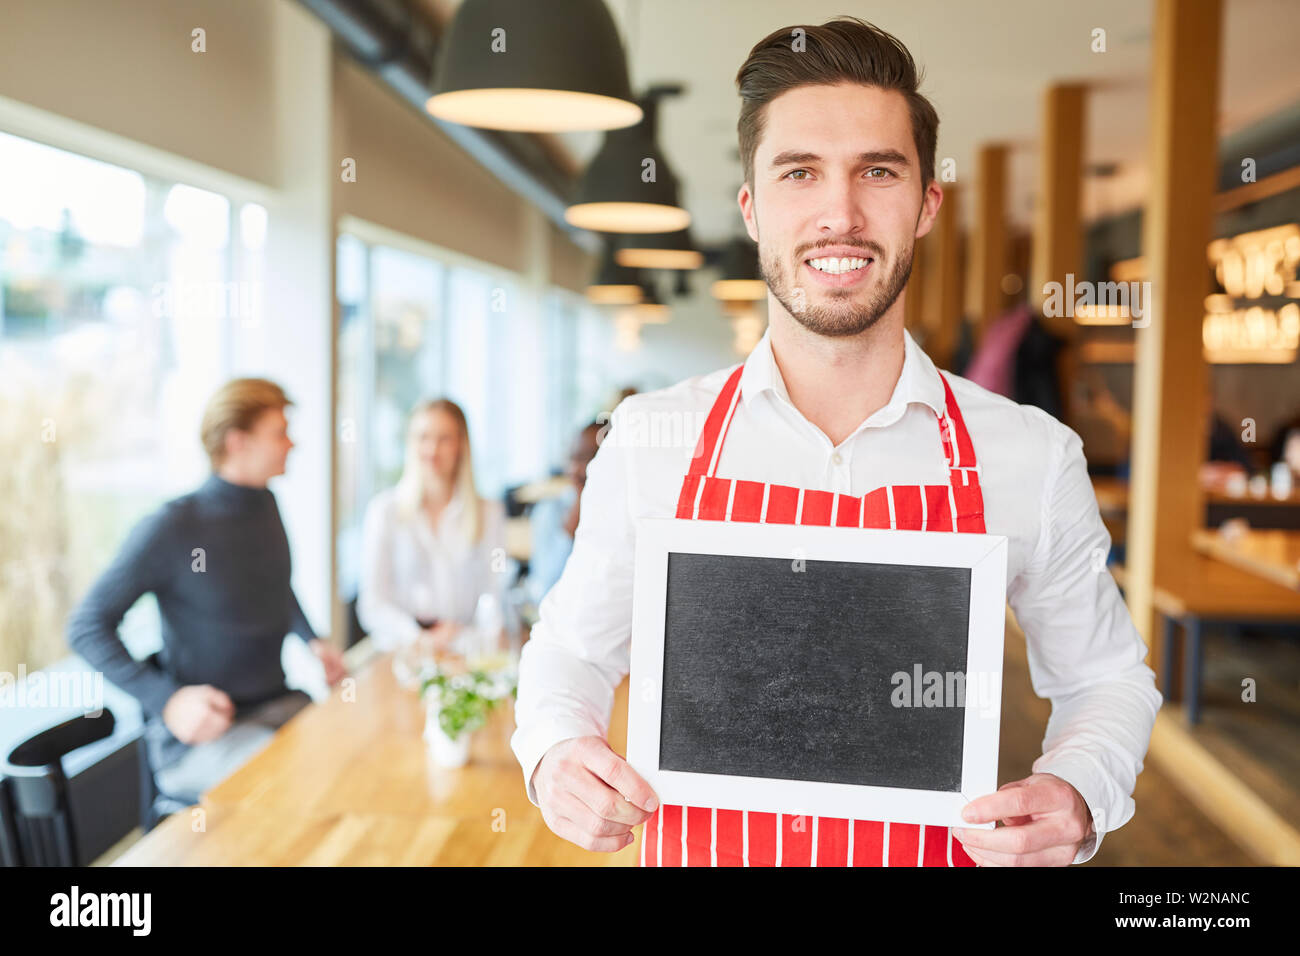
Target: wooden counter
{"x":1271,"y":554}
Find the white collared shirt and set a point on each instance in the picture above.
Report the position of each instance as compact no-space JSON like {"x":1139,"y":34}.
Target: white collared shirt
{"x":1084,"y":652}
{"x":410,"y":570}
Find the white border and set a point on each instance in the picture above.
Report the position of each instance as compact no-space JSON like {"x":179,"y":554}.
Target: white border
{"x":984,"y":554}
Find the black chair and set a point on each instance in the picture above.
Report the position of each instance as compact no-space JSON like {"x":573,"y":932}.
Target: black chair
{"x":8,"y":829}
{"x":47,"y":812}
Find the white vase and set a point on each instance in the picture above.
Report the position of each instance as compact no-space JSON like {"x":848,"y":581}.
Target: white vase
{"x":443,"y":750}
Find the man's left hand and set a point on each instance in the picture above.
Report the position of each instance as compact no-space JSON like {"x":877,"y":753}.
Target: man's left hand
{"x":332,"y":658}
{"x":1045,"y":822}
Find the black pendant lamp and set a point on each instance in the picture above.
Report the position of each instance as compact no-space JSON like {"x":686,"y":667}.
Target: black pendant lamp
{"x":659,"y":250}
{"x":615,"y":284}
{"x":533,"y":66}
{"x":741,"y":279}
{"x":628,"y":186}
{"x":651,"y":309}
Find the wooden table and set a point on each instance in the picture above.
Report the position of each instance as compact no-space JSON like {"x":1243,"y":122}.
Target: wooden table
{"x":1204,"y":591}
{"x":349,"y":782}
{"x":1271,"y":554}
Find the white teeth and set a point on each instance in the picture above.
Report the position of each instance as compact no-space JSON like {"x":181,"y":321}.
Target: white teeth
{"x":837,"y":266}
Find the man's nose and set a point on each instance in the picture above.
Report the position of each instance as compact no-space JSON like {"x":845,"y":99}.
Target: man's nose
{"x":842,"y":212}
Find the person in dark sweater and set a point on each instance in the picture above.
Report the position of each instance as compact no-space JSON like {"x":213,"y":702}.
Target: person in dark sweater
{"x":217,"y":561}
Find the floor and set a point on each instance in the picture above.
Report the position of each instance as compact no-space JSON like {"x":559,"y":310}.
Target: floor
{"x":1166,"y":830}
{"x":1259,"y":740}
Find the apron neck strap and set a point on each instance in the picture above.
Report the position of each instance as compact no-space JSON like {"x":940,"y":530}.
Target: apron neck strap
{"x":957,"y":448}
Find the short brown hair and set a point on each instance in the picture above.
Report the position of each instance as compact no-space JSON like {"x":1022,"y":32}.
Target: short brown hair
{"x":843,"y":50}
{"x":237,"y":404}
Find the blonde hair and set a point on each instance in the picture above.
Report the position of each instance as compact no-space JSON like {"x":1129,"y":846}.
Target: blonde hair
{"x":237,"y":404}
{"x":410,"y":493}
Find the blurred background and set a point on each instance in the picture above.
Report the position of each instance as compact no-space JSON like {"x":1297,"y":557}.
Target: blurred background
{"x":192,"y":190}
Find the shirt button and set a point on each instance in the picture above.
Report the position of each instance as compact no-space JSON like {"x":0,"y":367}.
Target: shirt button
{"x":837,"y":459}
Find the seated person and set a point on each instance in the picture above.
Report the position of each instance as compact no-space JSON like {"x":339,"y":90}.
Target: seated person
{"x":555,"y":519}
{"x":217,"y":560}
{"x":430,"y":545}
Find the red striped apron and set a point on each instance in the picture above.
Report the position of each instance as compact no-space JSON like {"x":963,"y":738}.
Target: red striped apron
{"x":702,"y":836}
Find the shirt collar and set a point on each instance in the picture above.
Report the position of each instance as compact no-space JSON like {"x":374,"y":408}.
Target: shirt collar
{"x":919,"y":380}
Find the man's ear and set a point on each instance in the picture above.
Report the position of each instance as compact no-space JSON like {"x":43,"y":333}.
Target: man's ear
{"x":746,"y":200}
{"x":930,"y":203}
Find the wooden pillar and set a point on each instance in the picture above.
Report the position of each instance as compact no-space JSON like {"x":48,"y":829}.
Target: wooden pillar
{"x":1058,"y":229}
{"x":942,"y":281}
{"x":989,"y":238}
{"x":1169,"y":429}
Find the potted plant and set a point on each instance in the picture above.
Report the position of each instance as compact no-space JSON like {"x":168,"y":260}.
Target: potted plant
{"x":457,"y":705}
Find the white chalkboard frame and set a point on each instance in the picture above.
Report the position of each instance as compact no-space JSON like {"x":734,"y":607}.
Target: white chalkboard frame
{"x":984,"y":554}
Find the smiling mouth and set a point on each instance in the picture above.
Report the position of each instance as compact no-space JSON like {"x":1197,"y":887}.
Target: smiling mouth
{"x":838,"y":271}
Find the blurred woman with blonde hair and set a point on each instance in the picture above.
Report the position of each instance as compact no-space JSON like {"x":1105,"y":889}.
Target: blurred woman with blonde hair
{"x":430,"y":545}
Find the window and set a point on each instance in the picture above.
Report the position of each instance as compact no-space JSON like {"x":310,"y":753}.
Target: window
{"x":119,"y":296}
{"x":417,"y":325}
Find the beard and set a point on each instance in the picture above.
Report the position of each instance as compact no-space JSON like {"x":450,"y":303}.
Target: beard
{"x":841,"y":316}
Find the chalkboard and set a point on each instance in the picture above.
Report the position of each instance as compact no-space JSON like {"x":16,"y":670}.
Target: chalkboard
{"x":808,"y":670}
{"x":841,"y":672}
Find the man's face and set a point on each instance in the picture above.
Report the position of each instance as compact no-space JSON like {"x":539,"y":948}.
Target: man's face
{"x":262,"y":451}
{"x":837,"y":177}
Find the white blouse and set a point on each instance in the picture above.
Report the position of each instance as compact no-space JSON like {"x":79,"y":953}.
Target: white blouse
{"x":411,"y":569}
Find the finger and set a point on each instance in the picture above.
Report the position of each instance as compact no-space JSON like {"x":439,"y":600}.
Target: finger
{"x":1051,"y":857}
{"x":219,"y":700}
{"x":606,"y":802}
{"x":618,"y":773}
{"x":588,"y":821}
{"x":1029,"y":838}
{"x":1015,"y":802}
{"x":566,"y":828}
{"x":977,"y":856}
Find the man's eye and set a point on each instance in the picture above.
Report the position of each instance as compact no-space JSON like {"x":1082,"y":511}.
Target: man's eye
{"x":793,"y":171}
{"x":879,"y":169}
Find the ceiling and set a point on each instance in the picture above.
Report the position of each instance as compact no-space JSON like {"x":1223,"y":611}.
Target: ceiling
{"x":985,"y":64}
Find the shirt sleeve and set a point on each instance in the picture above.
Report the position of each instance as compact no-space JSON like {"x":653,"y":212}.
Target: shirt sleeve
{"x":298,"y":622}
{"x":578,"y":653}
{"x":1084,"y":651}
{"x":384,"y":620}
{"x":92,"y":629}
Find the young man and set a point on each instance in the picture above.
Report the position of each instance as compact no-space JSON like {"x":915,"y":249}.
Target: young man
{"x":838,"y":152}
{"x":217,"y":560}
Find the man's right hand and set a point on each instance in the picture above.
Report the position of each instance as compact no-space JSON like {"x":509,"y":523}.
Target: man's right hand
{"x":198,"y":713}
{"x":591,"y":796}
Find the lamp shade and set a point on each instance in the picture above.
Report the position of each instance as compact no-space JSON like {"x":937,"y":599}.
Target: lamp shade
{"x":741,"y":277}
{"x":629,"y":186}
{"x":615,"y":284}
{"x":651,"y":309}
{"x":533,"y":66}
{"x":659,"y":250}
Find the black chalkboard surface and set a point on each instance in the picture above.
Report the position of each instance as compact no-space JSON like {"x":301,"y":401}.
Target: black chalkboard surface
{"x":769,"y":671}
